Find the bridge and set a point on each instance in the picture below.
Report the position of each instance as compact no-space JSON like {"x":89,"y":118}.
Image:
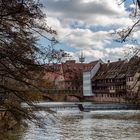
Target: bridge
{"x":63,"y":95}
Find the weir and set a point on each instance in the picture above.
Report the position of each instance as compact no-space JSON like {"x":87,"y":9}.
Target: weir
{"x":82,"y":106}
{"x":59,"y":106}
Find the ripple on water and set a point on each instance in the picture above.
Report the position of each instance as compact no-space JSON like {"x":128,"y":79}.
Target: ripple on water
{"x":98,"y":125}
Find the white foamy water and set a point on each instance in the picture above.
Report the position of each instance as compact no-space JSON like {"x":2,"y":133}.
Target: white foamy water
{"x":95,"y":125}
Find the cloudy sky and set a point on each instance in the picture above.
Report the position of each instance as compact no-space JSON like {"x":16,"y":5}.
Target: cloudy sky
{"x":87,"y":25}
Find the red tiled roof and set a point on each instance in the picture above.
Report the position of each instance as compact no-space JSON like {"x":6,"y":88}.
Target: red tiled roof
{"x":70,"y":69}
{"x":111,"y":70}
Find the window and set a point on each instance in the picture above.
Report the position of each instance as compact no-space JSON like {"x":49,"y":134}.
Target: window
{"x":112,"y":87}
{"x":128,"y":79}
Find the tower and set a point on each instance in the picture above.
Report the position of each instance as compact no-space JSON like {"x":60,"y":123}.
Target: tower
{"x":81,"y":58}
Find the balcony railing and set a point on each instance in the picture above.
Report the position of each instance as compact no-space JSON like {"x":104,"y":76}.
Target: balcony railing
{"x":61,"y":91}
{"x":101,"y":91}
{"x":109,"y":84}
{"x":109,"y":91}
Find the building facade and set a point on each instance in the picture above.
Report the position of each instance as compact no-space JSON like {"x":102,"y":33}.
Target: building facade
{"x":117,"y":81}
{"x":109,"y":84}
{"x":102,"y":82}
{"x":68,"y":75}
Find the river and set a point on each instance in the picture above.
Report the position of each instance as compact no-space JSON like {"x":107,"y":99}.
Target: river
{"x":94,"y":125}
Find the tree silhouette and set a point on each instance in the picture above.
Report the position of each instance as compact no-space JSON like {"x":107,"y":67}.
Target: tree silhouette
{"x":124,"y":34}
{"x":21,"y":56}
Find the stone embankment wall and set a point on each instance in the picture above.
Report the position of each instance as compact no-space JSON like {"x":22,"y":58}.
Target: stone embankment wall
{"x":101,"y":99}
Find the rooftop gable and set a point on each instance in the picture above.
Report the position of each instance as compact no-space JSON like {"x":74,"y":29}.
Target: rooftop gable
{"x":112,"y":70}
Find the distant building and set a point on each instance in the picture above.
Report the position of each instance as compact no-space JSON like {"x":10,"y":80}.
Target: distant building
{"x":82,"y":58}
{"x":117,"y":81}
{"x":110,"y":81}
{"x":87,"y":78}
{"x":133,"y":78}
{"x":98,"y":81}
{"x":68,"y":75}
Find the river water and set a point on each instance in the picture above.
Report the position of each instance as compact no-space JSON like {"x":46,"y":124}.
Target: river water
{"x":94,"y":125}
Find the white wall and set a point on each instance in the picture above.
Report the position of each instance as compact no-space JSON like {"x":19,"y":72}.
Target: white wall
{"x":87,"y":76}
{"x":87,"y":91}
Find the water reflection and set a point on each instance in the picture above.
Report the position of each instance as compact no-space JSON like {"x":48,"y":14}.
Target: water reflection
{"x":97,"y":125}
{"x":89,"y":127}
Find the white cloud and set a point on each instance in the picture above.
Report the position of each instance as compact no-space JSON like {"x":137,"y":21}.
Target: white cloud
{"x":80,"y":38}
{"x":130,"y":50}
{"x":136,"y":34}
{"x":85,"y":38}
{"x":101,"y":12}
{"x":62,"y":14}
